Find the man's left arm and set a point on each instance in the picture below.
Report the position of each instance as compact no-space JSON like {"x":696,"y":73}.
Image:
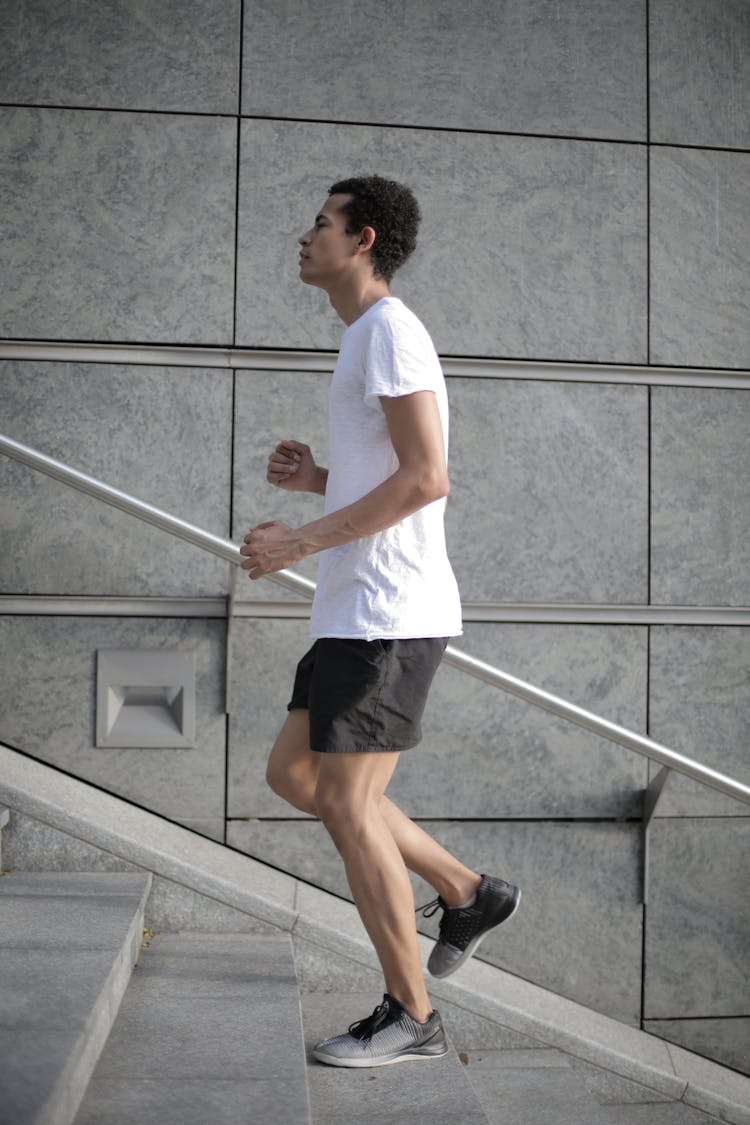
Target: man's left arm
{"x":421,"y":477}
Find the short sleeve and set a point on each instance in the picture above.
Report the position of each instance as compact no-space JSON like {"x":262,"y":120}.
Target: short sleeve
{"x":399,"y":359}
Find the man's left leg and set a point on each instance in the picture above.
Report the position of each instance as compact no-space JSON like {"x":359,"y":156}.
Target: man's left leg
{"x":348,"y":795}
{"x":404,"y":1026}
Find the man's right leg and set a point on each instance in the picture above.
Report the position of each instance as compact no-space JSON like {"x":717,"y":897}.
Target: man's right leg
{"x":472,"y":904}
{"x":292,"y":773}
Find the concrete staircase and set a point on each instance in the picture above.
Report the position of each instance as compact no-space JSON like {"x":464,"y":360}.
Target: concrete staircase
{"x":239,"y":968}
{"x":209,"y":1031}
{"x":68,"y":943}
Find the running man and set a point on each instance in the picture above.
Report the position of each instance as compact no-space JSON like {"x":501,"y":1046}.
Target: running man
{"x":385,"y":606}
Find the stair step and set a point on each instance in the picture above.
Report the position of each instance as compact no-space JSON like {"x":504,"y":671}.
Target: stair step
{"x":410,"y":1093}
{"x":209,"y":1031}
{"x":68,"y":943}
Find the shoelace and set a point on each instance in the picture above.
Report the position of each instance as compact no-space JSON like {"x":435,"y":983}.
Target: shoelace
{"x":366,"y":1028}
{"x":457,"y":924}
{"x":431,"y":908}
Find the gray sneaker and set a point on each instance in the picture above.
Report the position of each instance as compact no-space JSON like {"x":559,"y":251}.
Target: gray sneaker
{"x":389,"y":1035}
{"x":463,"y":928}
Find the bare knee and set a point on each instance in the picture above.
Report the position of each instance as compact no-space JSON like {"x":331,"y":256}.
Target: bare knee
{"x":345,"y":818}
{"x":292,"y":769}
{"x":329,"y":807}
{"x":292,"y":785}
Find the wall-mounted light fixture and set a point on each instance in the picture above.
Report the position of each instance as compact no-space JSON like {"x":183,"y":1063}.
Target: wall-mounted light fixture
{"x":145,"y":698}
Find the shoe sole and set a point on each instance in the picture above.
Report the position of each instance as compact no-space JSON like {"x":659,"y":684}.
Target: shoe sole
{"x":385,"y":1060}
{"x":473,"y":946}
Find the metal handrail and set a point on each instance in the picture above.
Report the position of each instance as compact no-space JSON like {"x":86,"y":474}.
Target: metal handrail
{"x":228,"y":550}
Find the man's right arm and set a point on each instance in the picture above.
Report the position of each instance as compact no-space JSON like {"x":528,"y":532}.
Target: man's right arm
{"x":291,"y":466}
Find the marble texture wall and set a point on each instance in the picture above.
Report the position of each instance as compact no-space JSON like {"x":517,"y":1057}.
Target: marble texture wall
{"x":556,"y":267}
{"x":547,"y":535}
{"x":584,"y":175}
{"x":700,"y":257}
{"x":161,"y":434}
{"x":523,"y":66}
{"x":116,"y":226}
{"x":700,"y":72}
{"x":698,"y":919}
{"x":699,"y":702}
{"x":700,"y":464}
{"x":177,"y":55}
{"x":47,"y":696}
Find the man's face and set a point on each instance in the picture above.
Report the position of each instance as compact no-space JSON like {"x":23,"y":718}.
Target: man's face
{"x":327,"y":251}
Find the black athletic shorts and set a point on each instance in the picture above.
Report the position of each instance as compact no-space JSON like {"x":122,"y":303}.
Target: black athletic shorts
{"x":366,"y":695}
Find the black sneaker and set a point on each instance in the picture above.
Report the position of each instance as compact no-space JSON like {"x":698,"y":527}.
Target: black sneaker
{"x":462,"y":928}
{"x":389,"y":1035}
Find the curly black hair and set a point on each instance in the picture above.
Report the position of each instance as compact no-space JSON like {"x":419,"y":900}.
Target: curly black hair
{"x":390,"y":209}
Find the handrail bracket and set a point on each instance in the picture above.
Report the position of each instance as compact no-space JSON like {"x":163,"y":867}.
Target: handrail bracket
{"x":652,"y":794}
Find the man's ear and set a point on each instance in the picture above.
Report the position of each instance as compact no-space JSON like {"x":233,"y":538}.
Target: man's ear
{"x":366,"y":238}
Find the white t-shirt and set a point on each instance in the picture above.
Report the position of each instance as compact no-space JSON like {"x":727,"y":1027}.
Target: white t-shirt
{"x":398,"y":582}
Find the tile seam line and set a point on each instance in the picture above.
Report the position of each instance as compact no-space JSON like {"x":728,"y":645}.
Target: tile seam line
{"x":327,"y":121}
{"x":361,"y":124}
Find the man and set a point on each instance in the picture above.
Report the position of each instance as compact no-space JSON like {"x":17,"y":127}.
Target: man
{"x":385,"y":605}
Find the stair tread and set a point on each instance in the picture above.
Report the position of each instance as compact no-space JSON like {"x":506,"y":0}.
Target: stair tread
{"x":209,"y":1029}
{"x":410,"y":1093}
{"x":67,"y":941}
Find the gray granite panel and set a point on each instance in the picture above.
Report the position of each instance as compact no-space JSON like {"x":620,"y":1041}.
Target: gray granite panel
{"x":179,"y":55}
{"x":264,"y":658}
{"x":47,"y":694}
{"x":558,"y":512}
{"x":567,"y":948}
{"x":271,"y":406}
{"x":725,"y":1041}
{"x":698,"y":919}
{"x":116,"y":226}
{"x":700,"y":706}
{"x":700,"y":258}
{"x":529,"y":247}
{"x":699,"y":73}
{"x":549,"y":498}
{"x":700,"y":511}
{"x":161,"y":434}
{"x":515,"y":760}
{"x":524,"y":66}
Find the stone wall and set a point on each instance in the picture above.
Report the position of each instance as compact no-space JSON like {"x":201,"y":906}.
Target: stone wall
{"x":584,"y":268}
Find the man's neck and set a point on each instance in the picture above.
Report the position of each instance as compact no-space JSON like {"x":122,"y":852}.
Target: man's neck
{"x":352,"y":301}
